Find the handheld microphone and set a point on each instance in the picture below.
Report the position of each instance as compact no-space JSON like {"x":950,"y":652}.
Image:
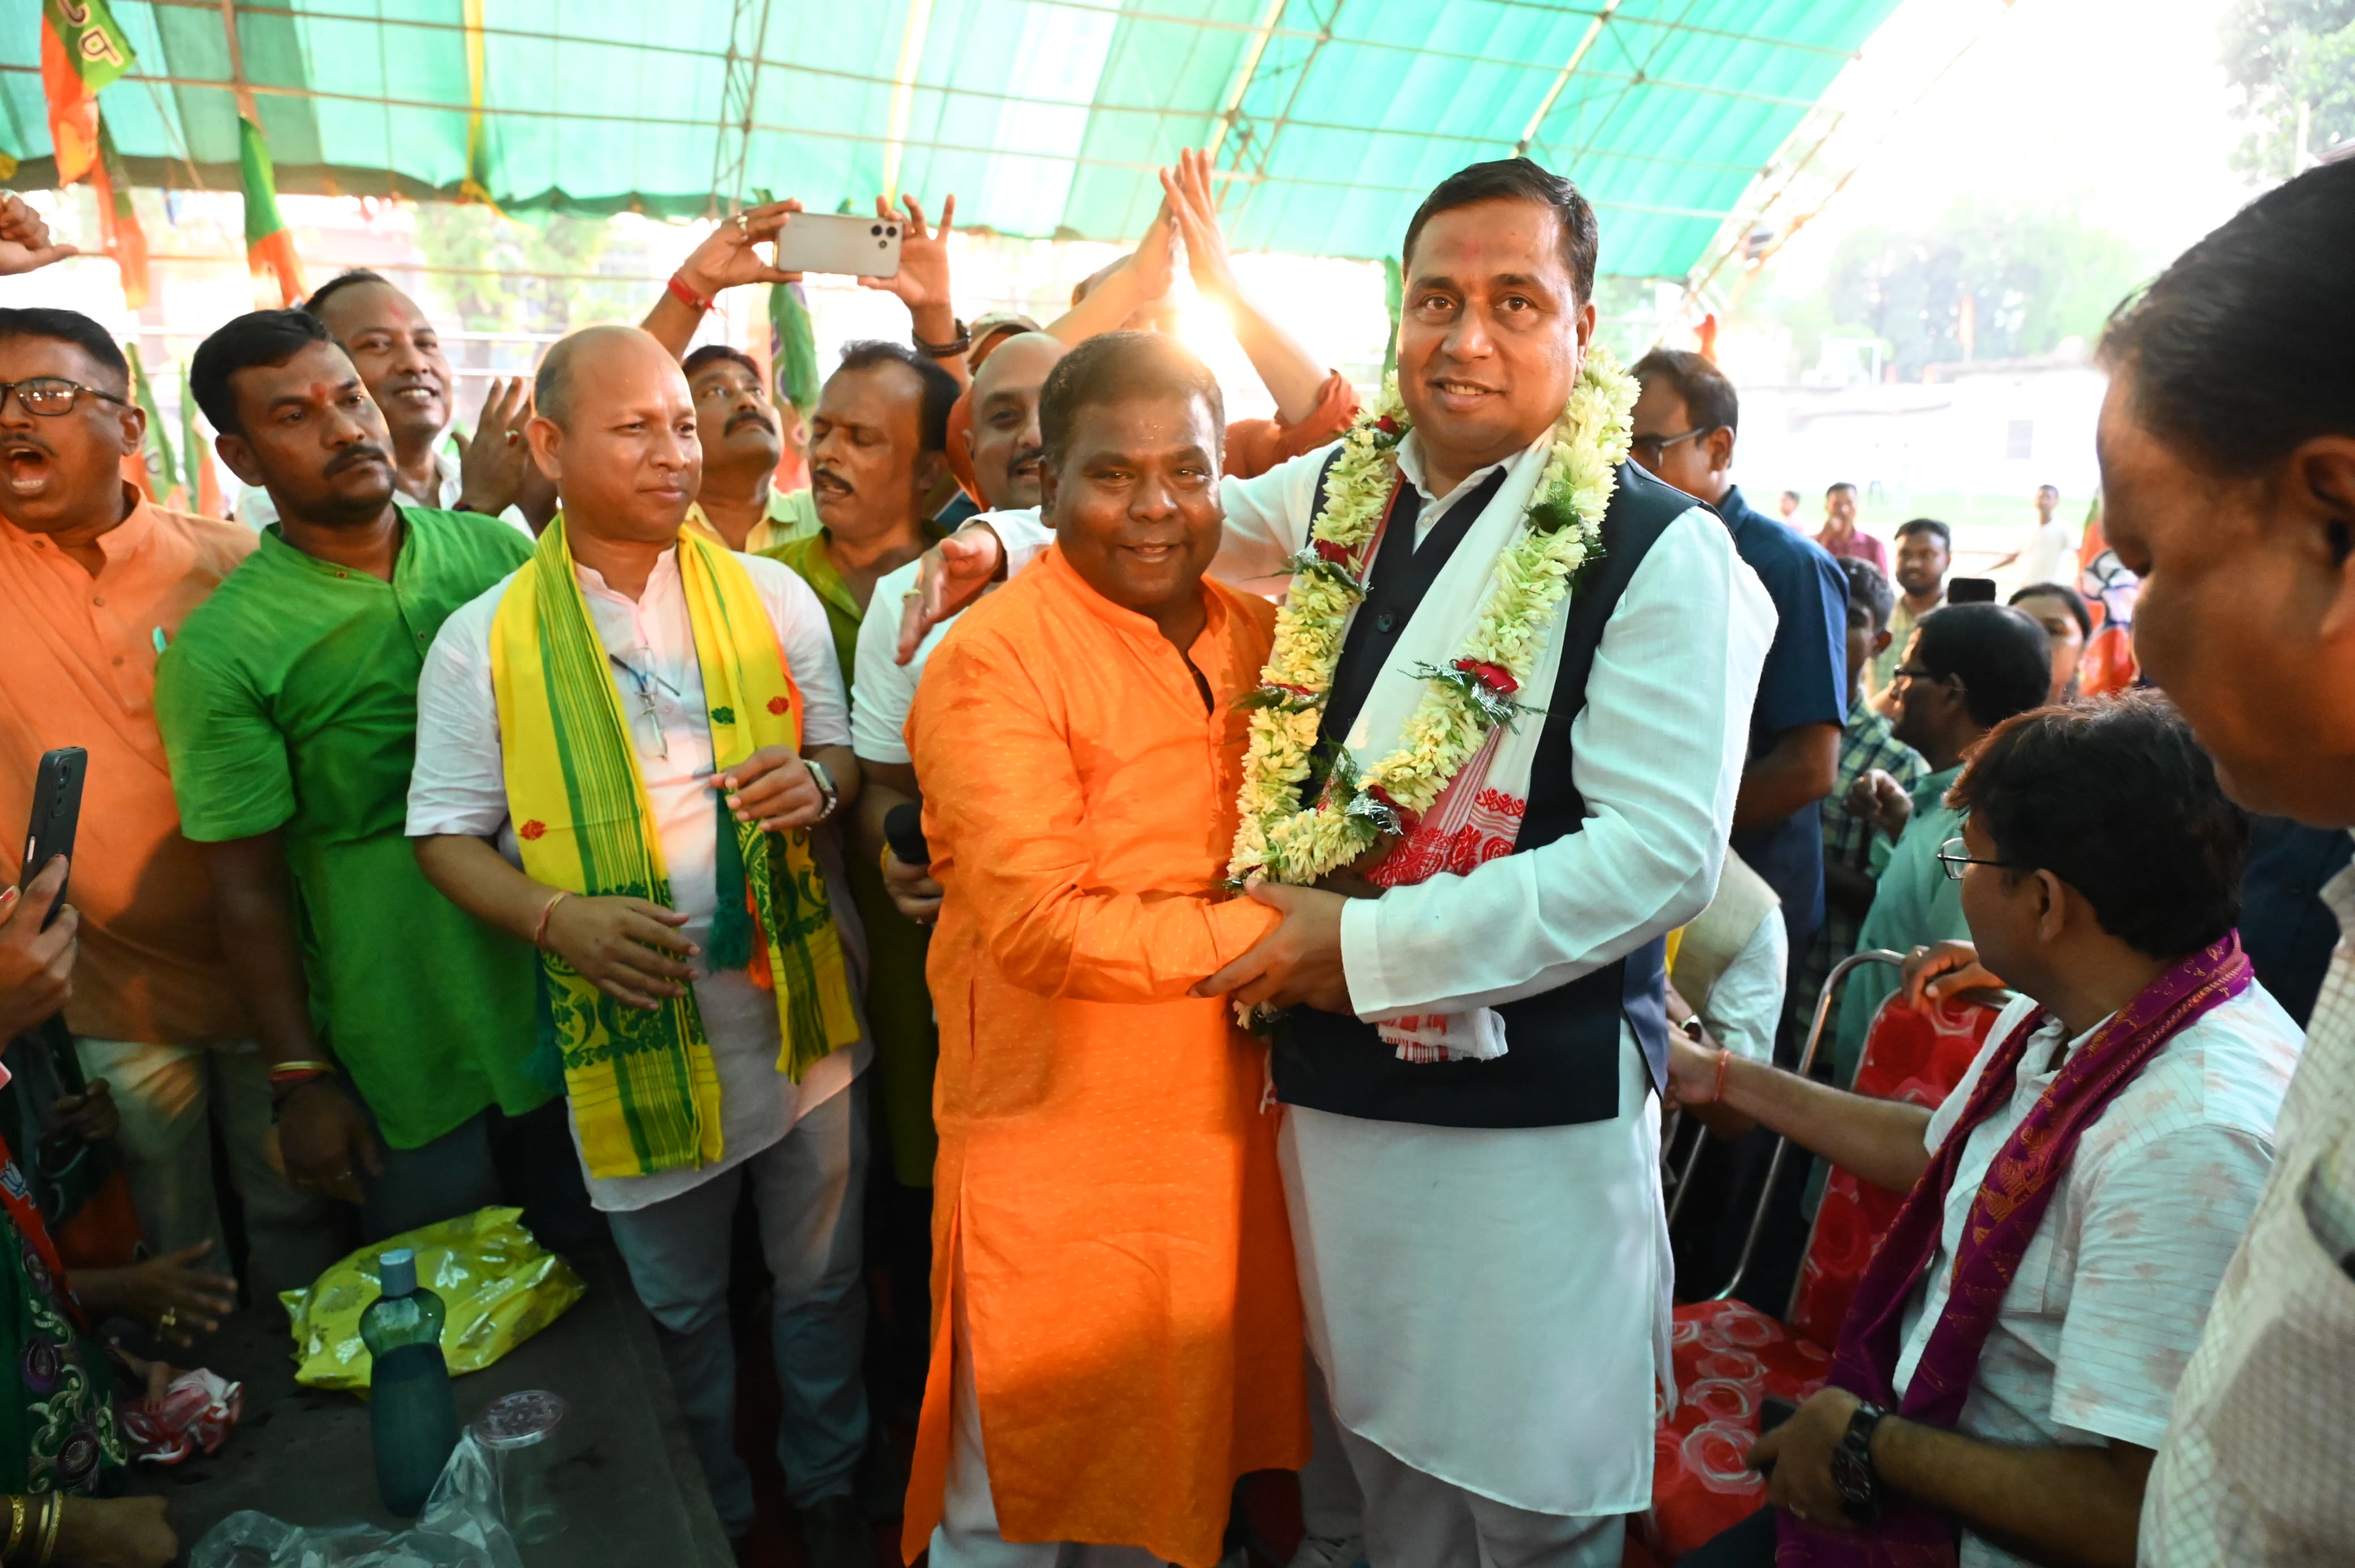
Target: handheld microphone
{"x":903,"y":830}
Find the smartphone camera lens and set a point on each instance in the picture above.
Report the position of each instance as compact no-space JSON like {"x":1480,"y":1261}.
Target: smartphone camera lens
{"x":876,"y":229}
{"x":893,"y":231}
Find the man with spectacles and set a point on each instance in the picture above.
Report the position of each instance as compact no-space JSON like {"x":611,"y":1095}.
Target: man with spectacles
{"x":1684,"y":432}
{"x":96,"y":580}
{"x":1967,"y":668}
{"x":2009,"y":1364}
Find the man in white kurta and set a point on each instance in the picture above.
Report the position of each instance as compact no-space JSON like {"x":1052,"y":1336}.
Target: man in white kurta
{"x":1489,"y":1304}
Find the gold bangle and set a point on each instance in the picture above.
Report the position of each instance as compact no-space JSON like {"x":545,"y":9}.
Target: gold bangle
{"x":50,"y":1522}
{"x":16,"y":1527}
{"x":539,"y":931}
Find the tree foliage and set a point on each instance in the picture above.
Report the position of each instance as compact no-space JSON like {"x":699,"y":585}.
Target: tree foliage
{"x":2035,"y":277}
{"x":2283,"y":53}
{"x":501,"y":294}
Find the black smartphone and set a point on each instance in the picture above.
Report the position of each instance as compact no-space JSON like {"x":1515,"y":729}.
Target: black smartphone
{"x":1970,"y":591}
{"x":57,"y":812}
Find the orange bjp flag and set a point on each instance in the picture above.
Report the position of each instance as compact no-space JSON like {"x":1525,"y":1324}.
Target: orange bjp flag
{"x":81,"y":52}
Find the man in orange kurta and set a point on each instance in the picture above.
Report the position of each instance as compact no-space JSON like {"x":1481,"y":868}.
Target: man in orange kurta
{"x":1113,"y":1296}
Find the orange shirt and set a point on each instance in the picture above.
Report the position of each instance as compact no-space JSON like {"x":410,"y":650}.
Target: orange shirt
{"x":1252,"y":446}
{"x":80,"y":653}
{"x":1104,"y":1167}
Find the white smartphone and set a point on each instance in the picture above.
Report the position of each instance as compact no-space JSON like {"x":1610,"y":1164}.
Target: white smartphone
{"x":840,"y":242}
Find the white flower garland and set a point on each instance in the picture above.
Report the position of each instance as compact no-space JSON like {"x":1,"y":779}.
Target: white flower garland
{"x":1278,"y":836}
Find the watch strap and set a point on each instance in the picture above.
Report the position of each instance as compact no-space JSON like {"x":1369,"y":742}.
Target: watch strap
{"x":1853,"y":1471}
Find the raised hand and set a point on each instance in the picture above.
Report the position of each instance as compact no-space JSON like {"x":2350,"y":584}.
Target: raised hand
{"x":1189,"y":200}
{"x":922,"y":280}
{"x":25,"y":243}
{"x":728,"y":255}
{"x":492,"y":466}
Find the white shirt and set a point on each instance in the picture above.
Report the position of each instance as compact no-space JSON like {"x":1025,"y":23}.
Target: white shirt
{"x":460,"y":786}
{"x":2254,"y":1472}
{"x":2048,"y":555}
{"x":885,"y":689}
{"x":257,"y":511}
{"x":2108,"y":1299}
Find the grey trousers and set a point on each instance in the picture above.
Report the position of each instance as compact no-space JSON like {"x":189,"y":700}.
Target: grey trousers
{"x":809,"y":1188}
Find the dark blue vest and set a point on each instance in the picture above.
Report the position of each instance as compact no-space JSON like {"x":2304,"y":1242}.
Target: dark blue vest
{"x":1562,"y":1066}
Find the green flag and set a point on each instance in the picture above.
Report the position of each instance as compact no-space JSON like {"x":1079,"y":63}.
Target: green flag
{"x":794,"y":341}
{"x":1394,"y":301}
{"x":163,"y":467}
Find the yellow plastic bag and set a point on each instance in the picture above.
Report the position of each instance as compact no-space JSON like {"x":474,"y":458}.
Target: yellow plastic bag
{"x":501,"y":1287}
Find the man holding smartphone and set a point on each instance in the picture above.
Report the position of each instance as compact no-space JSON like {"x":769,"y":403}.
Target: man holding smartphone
{"x":97,"y":581}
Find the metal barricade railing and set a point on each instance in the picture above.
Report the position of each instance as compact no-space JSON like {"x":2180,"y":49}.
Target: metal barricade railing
{"x":1832,"y":984}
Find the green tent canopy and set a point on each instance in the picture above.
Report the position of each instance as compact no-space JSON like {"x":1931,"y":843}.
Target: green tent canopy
{"x":1045,"y":117}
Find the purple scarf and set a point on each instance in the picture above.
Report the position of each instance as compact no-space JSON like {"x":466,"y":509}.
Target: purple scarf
{"x":2010,"y":1203}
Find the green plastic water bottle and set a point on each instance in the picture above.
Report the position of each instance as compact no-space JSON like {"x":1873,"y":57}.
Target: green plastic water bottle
{"x":412,"y":1420}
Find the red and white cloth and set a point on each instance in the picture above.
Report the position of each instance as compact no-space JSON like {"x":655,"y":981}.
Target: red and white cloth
{"x":196,"y":1414}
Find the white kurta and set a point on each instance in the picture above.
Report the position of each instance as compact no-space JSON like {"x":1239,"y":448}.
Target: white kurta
{"x":460,"y":786}
{"x":1491,"y":1305}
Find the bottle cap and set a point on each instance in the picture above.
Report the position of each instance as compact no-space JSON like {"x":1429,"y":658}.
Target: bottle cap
{"x":396,"y":1271}
{"x":521,"y":1420}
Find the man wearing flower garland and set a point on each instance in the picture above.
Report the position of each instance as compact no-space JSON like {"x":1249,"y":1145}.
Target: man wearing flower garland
{"x":1470,"y":1153}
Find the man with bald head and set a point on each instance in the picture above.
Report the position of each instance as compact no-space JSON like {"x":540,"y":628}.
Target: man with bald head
{"x":625,"y":753}
{"x":398,"y":356}
{"x":397,"y":1029}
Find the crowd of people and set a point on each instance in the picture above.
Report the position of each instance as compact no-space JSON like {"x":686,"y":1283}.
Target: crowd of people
{"x":1224,"y":924}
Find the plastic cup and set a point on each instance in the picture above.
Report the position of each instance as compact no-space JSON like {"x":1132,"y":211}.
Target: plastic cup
{"x":519,"y":1431}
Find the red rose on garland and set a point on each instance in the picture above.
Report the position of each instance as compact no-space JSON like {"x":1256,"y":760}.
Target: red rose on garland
{"x":1387,"y":425}
{"x":1327,"y":549}
{"x":1495,"y":676}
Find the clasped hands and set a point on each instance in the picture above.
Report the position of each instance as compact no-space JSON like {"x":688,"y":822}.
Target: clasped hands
{"x":1296,"y":964}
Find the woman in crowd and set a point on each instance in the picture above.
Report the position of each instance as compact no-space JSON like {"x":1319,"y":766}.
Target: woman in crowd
{"x":2062,"y":612}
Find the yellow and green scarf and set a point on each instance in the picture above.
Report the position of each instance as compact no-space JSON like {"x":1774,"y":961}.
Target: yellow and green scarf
{"x":643,"y":1092}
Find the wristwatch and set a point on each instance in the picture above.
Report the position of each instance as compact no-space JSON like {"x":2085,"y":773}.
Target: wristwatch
{"x":824,"y":782}
{"x":1853,"y":1474}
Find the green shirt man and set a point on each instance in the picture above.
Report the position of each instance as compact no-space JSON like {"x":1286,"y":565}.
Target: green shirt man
{"x":289,"y":705}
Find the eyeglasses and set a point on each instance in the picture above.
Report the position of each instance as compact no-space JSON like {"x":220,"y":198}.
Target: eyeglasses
{"x":52,"y":396}
{"x":1649,"y":450}
{"x":1910,"y":673}
{"x":1954,"y":855}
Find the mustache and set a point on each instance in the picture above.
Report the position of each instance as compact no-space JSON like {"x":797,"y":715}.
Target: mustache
{"x":749,"y":416}
{"x":364,"y":452}
{"x":1027,"y":455}
{"x":827,"y":472}
{"x":26,"y":444}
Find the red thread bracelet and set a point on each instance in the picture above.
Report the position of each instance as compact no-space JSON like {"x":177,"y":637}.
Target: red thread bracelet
{"x":687,"y":297}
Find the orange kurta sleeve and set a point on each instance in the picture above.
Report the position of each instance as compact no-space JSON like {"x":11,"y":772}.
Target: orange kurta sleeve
{"x":1255,"y":446}
{"x":1003,"y":795}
